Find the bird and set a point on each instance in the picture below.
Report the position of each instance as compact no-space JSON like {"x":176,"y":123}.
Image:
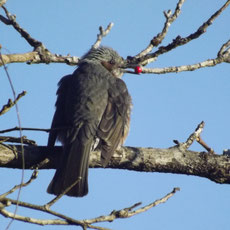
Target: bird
{"x":93,"y":109}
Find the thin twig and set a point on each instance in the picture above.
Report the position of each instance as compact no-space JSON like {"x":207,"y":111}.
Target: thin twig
{"x":193,"y":136}
{"x":126,"y":212}
{"x":67,"y":219}
{"x":5,"y":20}
{"x":53,"y":201}
{"x":223,"y":48}
{"x":11,"y":103}
{"x":102,"y":34}
{"x":182,"y":68}
{"x":33,"y":177}
{"x":123,"y":213}
{"x":32,"y":41}
{"x":23,"y":128}
{"x":202,"y":143}
{"x":159,"y":38}
{"x":32,"y":220}
{"x":178,"y":41}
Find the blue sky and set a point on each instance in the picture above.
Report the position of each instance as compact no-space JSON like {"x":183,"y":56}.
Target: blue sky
{"x":166,"y":107}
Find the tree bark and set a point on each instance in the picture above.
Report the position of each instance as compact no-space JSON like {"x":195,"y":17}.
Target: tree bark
{"x":172,"y":160}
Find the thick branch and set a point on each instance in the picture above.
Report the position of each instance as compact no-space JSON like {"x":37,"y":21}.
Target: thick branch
{"x":171,"y":160}
{"x":23,"y":140}
{"x":35,"y":58}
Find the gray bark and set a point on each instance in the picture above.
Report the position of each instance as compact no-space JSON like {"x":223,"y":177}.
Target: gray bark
{"x":172,"y":160}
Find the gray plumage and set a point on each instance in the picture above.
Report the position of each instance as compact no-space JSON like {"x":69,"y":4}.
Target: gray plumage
{"x":92,"y":103}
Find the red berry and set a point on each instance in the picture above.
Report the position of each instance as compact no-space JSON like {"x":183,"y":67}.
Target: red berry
{"x":138,"y":69}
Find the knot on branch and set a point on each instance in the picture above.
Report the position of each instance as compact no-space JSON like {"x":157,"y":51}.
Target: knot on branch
{"x":4,"y":203}
{"x":120,"y":214}
{"x":156,"y":40}
{"x":177,"y":40}
{"x":44,"y":54}
{"x":224,"y":52}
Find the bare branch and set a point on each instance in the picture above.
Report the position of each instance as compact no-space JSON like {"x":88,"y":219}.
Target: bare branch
{"x":12,"y":18}
{"x":33,"y":177}
{"x":222,"y":56}
{"x":172,"y":160}
{"x":2,"y":2}
{"x":23,"y":128}
{"x":127,"y":212}
{"x":17,"y":140}
{"x":159,"y":38}
{"x":67,"y":220}
{"x":224,"y":48}
{"x":53,"y":201}
{"x":32,"y":220}
{"x":178,"y":41}
{"x":225,"y":52}
{"x":5,"y":20}
{"x":155,"y":203}
{"x":202,"y":143}
{"x":43,"y":55}
{"x":177,"y":69}
{"x":123,"y":213}
{"x":102,"y":34}
{"x":40,"y":54}
{"x":192,"y":137}
{"x":35,"y":58}
{"x":11,"y":103}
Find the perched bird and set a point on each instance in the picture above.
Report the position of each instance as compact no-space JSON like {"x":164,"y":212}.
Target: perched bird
{"x":92,"y":108}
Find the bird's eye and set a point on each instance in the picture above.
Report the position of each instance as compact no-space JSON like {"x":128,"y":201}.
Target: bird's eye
{"x":112,"y":62}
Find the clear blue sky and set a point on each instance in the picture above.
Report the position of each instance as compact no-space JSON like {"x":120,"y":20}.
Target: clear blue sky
{"x":166,"y":107}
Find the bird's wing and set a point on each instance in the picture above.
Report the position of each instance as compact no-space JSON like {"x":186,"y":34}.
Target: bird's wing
{"x":114,"y":124}
{"x":59,"y":115}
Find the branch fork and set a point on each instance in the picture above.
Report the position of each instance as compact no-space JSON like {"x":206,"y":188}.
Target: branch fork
{"x":195,"y":136}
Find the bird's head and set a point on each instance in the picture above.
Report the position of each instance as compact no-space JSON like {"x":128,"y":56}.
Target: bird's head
{"x":107,"y":57}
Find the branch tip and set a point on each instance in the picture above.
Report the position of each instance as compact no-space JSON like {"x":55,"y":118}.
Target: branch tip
{"x":102,"y":34}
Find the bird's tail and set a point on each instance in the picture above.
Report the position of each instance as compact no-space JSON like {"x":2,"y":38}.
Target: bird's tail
{"x":73,"y":168}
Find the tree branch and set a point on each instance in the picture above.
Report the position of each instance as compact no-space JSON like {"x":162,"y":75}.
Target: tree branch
{"x":178,"y":41}
{"x":127,"y":212}
{"x":176,"y":159}
{"x":160,"y":37}
{"x":40,"y":54}
{"x":17,"y":140}
{"x":2,"y":2}
{"x":35,"y":58}
{"x":102,"y":34}
{"x":33,"y":177}
{"x":11,"y":103}
{"x":65,"y":220}
{"x":123,"y":213}
{"x":12,"y":19}
{"x":23,"y":128}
